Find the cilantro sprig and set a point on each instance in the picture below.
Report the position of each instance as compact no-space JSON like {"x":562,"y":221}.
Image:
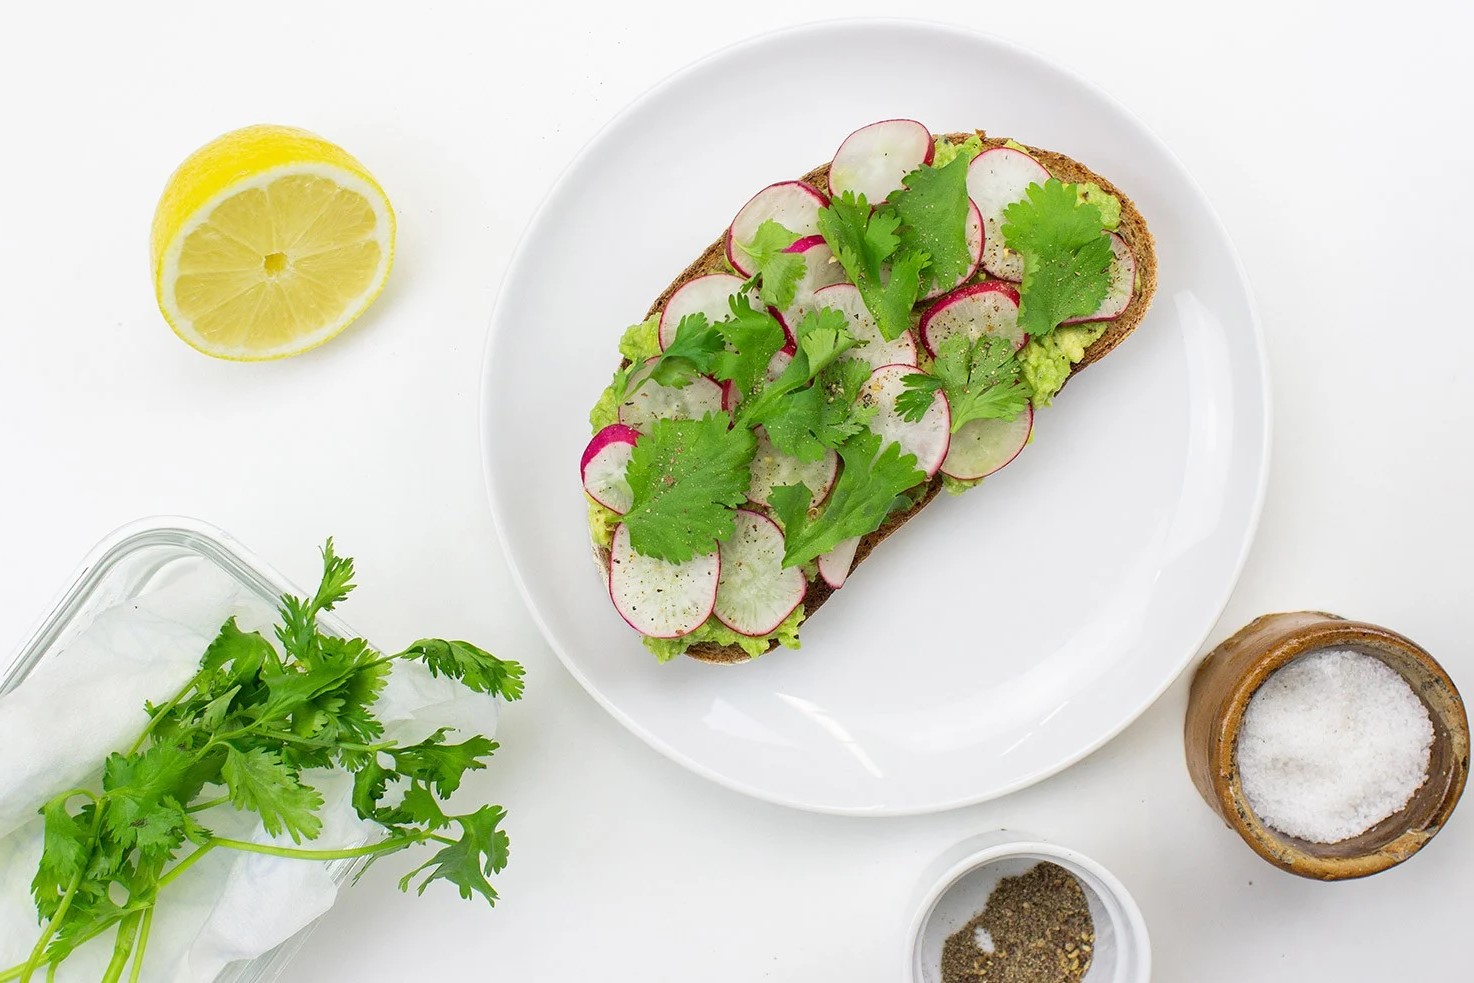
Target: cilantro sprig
{"x":776,"y":272}
{"x":980,"y":378}
{"x":242,"y":732}
{"x":864,"y":243}
{"x":933,"y":208}
{"x":1061,"y":235}
{"x":872,"y":479}
{"x":688,"y":477}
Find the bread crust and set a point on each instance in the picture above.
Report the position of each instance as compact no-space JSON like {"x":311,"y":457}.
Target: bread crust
{"x":1132,"y":228}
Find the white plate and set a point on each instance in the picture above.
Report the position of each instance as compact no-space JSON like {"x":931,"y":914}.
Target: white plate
{"x":1004,"y":634}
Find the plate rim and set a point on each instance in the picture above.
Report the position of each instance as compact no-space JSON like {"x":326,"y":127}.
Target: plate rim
{"x":499,"y":510}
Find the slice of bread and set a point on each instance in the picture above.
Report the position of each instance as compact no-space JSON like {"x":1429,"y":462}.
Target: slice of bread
{"x":1132,"y":228}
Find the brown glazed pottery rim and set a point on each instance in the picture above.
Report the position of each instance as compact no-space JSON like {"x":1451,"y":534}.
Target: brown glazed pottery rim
{"x":1220,"y":693}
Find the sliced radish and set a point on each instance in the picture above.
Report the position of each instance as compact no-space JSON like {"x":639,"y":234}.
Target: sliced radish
{"x":927,"y":438}
{"x":792,"y":204}
{"x":710,"y":295}
{"x":754,"y":591}
{"x":835,"y":565}
{"x":820,"y":270}
{"x":653,"y":401}
{"x":1123,"y":284}
{"x":657,"y":598}
{"x":845,"y":298}
{"x":997,"y":178}
{"x":604,"y":463}
{"x":772,"y":468}
{"x":981,"y":447}
{"x":990,"y":307}
{"x":873,"y":160}
{"x":975,"y":240}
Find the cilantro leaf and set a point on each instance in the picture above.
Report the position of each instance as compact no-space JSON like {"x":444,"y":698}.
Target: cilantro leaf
{"x":246,"y":651}
{"x":65,"y":844}
{"x":863,"y":242}
{"x":752,"y":338}
{"x":980,"y":378}
{"x":298,"y":629}
{"x":688,"y":477}
{"x":258,"y":780}
{"x":144,"y":791}
{"x":793,"y":412}
{"x":690,"y":352}
{"x":933,"y":208}
{"x":1066,"y":253}
{"x":820,"y":417}
{"x":920,"y":393}
{"x":862,"y":497}
{"x":475,"y":668}
{"x":481,"y":850}
{"x":370,"y":782}
{"x":440,"y":764}
{"x":777,"y":270}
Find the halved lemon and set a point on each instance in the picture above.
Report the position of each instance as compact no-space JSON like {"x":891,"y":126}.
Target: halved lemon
{"x":269,"y":241}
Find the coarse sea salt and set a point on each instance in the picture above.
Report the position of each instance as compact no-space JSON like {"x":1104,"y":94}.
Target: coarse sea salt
{"x":1332,"y":744}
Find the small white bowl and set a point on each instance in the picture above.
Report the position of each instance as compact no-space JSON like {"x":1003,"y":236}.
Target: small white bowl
{"x":956,"y":887}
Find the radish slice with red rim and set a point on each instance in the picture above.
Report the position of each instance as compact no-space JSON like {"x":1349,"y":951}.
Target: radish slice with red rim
{"x":653,"y":401}
{"x":771,"y":468}
{"x":604,"y":464}
{"x":927,"y":438}
{"x":873,"y":348}
{"x":873,"y":160}
{"x":755,"y":592}
{"x":710,"y":295}
{"x":990,"y":307}
{"x":792,"y":204}
{"x":981,"y":447}
{"x":835,"y":566}
{"x":658,"y":598}
{"x":1123,"y":284}
{"x":975,"y":240}
{"x":997,"y":178}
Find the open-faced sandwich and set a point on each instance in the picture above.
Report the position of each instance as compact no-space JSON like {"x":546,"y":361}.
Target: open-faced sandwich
{"x":855,"y":341}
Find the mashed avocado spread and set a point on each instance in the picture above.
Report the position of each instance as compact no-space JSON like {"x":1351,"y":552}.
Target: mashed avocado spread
{"x":1045,"y":362}
{"x":639,"y":342}
{"x":713,"y":630}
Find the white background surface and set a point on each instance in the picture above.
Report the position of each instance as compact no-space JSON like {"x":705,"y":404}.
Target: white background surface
{"x":1334,"y":142}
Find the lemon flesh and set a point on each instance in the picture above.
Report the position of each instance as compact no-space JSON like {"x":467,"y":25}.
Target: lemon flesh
{"x":267,"y":242}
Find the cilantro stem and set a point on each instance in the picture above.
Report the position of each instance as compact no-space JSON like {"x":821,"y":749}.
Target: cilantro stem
{"x":122,"y":949}
{"x":181,"y":867}
{"x":308,"y":742}
{"x":219,"y":800}
{"x":148,"y":921}
{"x":159,"y":714}
{"x":344,"y":854}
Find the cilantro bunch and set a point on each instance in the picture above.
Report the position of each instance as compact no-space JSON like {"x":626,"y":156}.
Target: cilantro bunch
{"x":242,"y":732}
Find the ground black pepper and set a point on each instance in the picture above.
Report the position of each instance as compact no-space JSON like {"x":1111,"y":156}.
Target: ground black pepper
{"x":1041,"y":932}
